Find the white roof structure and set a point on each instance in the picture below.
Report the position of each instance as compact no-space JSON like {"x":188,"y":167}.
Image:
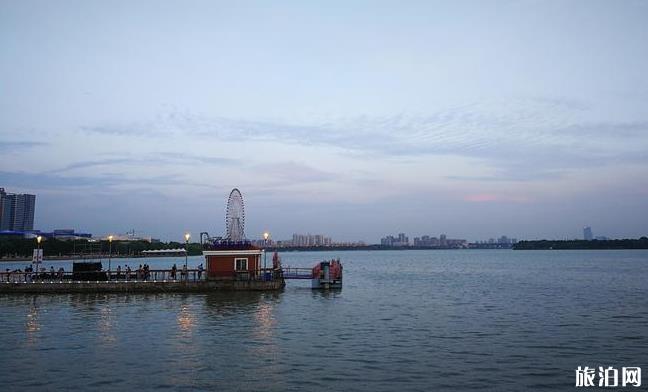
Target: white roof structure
{"x":157,"y":251}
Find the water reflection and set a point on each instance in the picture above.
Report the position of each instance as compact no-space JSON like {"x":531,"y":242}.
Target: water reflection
{"x":264,"y":322}
{"x":326,"y":294}
{"x":32,"y":325}
{"x":185,"y":345}
{"x":186,"y":319}
{"x":226,"y":304}
{"x":106,"y":325}
{"x":87,"y":303}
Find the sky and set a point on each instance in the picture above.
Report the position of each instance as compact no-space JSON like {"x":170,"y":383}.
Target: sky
{"x":355,"y":119}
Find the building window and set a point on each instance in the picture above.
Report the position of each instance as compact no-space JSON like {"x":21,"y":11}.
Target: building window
{"x":240,"y":264}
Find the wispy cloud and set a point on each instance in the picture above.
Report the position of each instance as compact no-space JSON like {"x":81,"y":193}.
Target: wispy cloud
{"x":162,"y":158}
{"x":608,"y":130}
{"x":54,"y":181}
{"x":520,"y":140}
{"x":21,"y":145}
{"x":495,"y":198}
{"x":294,"y":173}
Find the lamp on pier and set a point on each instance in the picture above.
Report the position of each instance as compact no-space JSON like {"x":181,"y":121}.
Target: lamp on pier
{"x":266,"y":235}
{"x":39,"y":259}
{"x":186,"y":236}
{"x":110,"y":239}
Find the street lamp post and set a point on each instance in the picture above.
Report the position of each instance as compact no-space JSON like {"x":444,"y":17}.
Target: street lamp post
{"x":266,"y":235}
{"x":38,"y":254}
{"x":110,"y":238}
{"x":187,"y":236}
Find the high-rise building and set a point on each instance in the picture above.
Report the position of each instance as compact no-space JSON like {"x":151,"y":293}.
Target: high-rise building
{"x":390,"y":240}
{"x":587,"y":233}
{"x":443,"y":240}
{"x":426,"y":240}
{"x":304,"y":240}
{"x":16,"y":211}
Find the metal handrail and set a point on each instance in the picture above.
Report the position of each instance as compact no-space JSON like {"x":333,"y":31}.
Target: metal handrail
{"x":193,"y":275}
{"x":157,"y":275}
{"x":297,"y":273}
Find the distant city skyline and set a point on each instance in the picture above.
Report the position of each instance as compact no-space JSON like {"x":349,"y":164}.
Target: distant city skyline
{"x":17,"y":214}
{"x":357,"y":119}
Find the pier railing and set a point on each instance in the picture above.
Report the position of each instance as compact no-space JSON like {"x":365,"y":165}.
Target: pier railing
{"x":192,"y":275}
{"x":297,"y":273}
{"x":166,"y":275}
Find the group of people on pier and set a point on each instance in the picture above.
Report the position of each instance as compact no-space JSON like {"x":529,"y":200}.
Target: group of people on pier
{"x":184,"y":273}
{"x":31,"y":274}
{"x":142,"y":273}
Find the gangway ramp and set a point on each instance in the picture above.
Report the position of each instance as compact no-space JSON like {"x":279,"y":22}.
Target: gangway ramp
{"x":297,"y":273}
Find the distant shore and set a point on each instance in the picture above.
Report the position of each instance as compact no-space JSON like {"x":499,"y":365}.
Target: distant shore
{"x":641,"y":243}
{"x":69,"y":257}
{"x":268,"y":249}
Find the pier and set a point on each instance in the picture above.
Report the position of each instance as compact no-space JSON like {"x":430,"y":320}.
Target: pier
{"x":167,"y":280}
{"x":156,"y":281}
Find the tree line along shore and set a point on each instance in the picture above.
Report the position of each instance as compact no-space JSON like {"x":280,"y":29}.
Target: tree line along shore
{"x":640,"y":243}
{"x":23,"y":248}
{"x":12,"y":249}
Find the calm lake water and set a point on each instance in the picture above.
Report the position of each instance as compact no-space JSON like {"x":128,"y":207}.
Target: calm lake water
{"x":405,"y":320}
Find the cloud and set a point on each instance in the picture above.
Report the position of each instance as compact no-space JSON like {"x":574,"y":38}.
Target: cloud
{"x":162,"y":158}
{"x":520,"y":140}
{"x":632,"y":129}
{"x":54,"y":181}
{"x":186,"y":158}
{"x":45,"y":180}
{"x":13,"y":146}
{"x":121,"y":130}
{"x":293,"y":172}
{"x":492,"y":197}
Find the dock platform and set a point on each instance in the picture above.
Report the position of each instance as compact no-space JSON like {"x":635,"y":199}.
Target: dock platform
{"x":158,"y":281}
{"x":53,"y":287}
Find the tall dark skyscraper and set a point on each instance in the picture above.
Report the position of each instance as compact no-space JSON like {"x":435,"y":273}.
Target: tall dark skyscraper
{"x":17,"y":211}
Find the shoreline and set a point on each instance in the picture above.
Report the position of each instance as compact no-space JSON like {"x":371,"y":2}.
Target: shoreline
{"x":302,"y":249}
{"x":269,"y":249}
{"x":73,"y":257}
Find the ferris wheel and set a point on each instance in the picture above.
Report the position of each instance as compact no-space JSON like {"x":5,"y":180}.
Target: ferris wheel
{"x":235,"y":217}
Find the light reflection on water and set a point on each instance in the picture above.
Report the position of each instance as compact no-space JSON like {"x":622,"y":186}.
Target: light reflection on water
{"x":264,"y":319}
{"x":186,"y":320}
{"x":413,"y":320}
{"x":106,"y":325}
{"x":32,"y":324}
